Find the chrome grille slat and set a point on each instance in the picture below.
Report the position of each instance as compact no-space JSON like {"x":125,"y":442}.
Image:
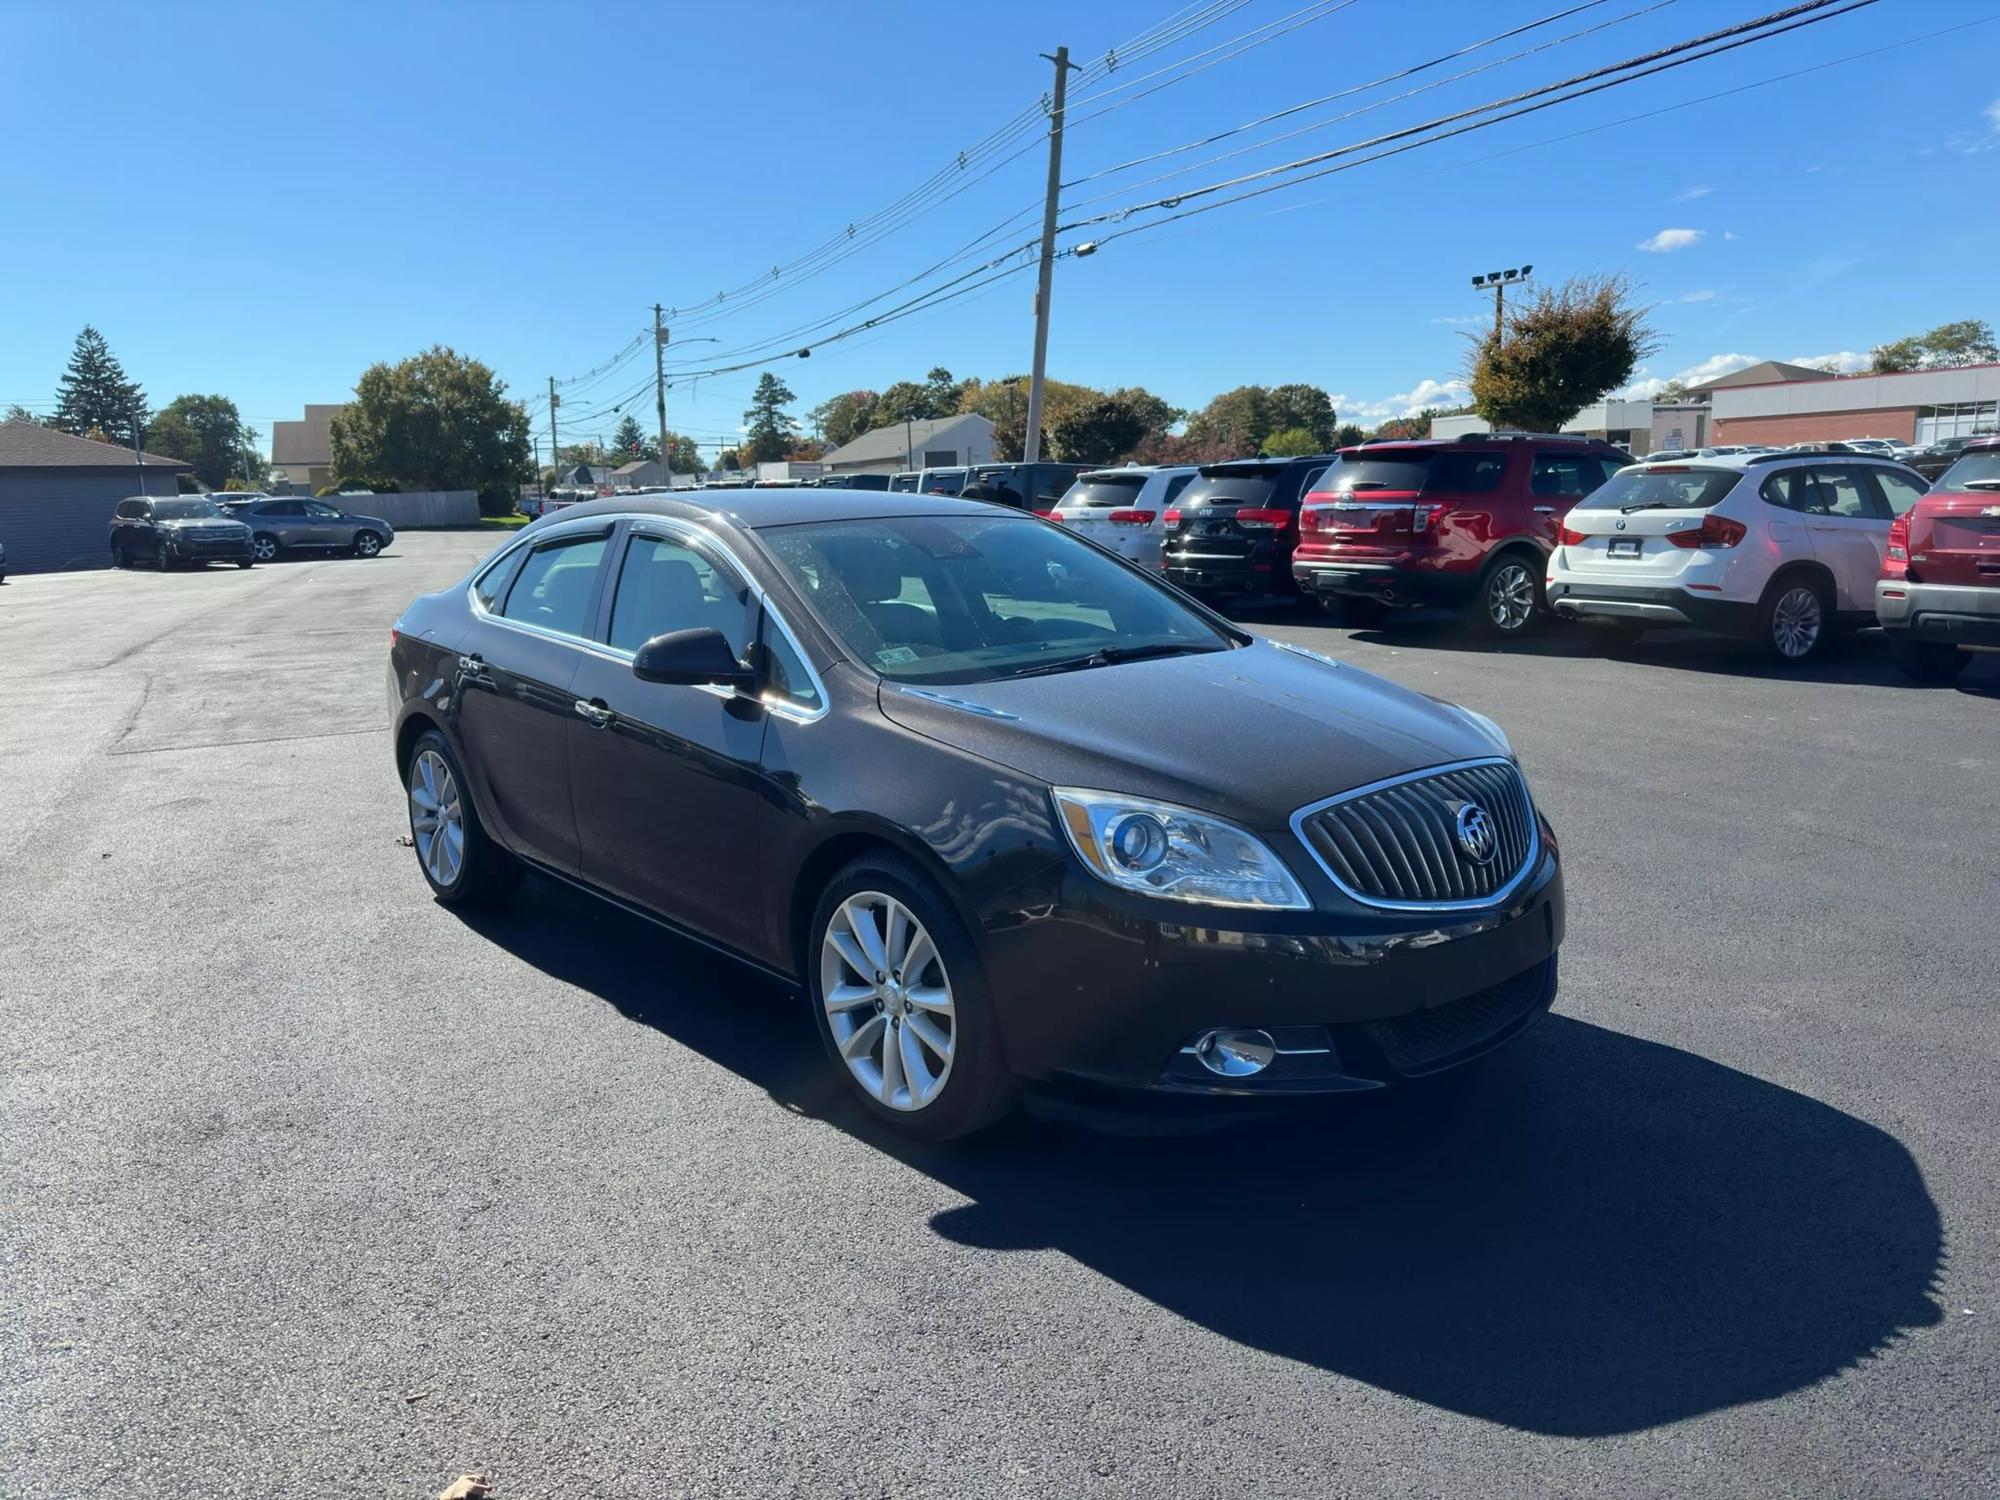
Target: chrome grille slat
{"x":1395,"y":843}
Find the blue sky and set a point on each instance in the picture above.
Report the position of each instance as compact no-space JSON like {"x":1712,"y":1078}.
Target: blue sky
{"x":261,"y":200}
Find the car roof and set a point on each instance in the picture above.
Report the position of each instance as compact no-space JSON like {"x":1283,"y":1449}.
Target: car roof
{"x":1743,"y":463}
{"x":755,"y":509}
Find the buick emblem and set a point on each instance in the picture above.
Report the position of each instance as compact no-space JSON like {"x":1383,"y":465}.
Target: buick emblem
{"x":1475,"y":833}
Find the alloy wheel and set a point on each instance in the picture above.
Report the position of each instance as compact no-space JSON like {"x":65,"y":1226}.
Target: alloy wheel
{"x":888,"y":1000}
{"x":264,"y":548}
{"x":437,"y":821}
{"x":1510,"y":597}
{"x":1796,"y":622}
{"x":367,"y":544}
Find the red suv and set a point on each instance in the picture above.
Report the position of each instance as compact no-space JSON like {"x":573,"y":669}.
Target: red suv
{"x":1939,"y":592}
{"x":1468,"y":523}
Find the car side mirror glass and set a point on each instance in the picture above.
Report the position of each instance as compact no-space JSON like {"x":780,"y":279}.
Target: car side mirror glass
{"x":691,"y":658}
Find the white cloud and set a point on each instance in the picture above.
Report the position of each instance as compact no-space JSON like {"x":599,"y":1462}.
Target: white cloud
{"x":1972,"y":143}
{"x":1729,"y":234}
{"x":1704,"y":294}
{"x":1699,"y":190}
{"x":1846,"y":362}
{"x":1673,"y":239}
{"x":1709,"y":369}
{"x":1407,"y":404}
{"x":1462,"y":322}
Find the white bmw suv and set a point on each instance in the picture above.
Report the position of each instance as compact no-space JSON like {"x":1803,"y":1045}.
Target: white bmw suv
{"x":1780,"y":547}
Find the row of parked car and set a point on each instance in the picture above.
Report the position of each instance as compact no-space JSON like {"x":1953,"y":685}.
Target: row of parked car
{"x":165,"y":531}
{"x":1787,"y":547}
{"x":1928,"y":459}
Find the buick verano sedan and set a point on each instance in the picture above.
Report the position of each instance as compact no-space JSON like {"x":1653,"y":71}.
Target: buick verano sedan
{"x":1004,"y":808}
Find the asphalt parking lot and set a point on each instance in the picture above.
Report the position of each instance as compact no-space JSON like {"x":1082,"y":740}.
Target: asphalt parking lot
{"x":311,"y":1186}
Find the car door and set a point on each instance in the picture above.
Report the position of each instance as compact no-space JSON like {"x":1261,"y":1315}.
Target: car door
{"x":664,"y":776}
{"x":1849,"y":525}
{"x":324,"y":525}
{"x":514,"y":703}
{"x":285,"y":520}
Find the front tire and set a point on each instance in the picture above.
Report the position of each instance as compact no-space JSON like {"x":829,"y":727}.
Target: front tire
{"x":1509,"y":598}
{"x":1928,"y":661}
{"x":901,"y":1001}
{"x":461,"y":862}
{"x":367,"y":544}
{"x":163,"y":559}
{"x":1794,"y":620}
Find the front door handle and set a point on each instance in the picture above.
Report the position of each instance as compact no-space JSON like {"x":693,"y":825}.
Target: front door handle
{"x":1545,"y":510}
{"x":595,"y":712}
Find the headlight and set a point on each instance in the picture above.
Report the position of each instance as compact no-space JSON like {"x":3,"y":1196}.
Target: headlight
{"x":1157,"y":849}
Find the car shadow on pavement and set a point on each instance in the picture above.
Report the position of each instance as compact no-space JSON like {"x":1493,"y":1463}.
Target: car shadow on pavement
{"x":1603,"y":1234}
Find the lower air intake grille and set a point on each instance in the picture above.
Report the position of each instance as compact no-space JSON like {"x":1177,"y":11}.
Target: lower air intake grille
{"x":1426,"y":1039}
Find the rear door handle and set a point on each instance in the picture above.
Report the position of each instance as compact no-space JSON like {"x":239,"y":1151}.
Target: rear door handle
{"x":595,"y":712}
{"x":1545,"y":510}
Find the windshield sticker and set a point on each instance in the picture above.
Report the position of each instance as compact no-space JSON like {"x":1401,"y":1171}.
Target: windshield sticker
{"x":896,"y":656}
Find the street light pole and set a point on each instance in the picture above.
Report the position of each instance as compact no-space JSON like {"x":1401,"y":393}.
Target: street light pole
{"x":1498,"y":282}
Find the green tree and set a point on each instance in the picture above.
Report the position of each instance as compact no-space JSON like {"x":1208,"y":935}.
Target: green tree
{"x":1302,"y":406}
{"x":1947,"y":346}
{"x":19,"y":413}
{"x":437,"y":421}
{"x":1347,"y":435}
{"x":731,"y":460}
{"x":1560,"y":351}
{"x":843,"y":418}
{"x":1097,"y":432}
{"x":94,"y":393}
{"x":208,"y":432}
{"x":684,"y":456}
{"x":1235,"y":422}
{"x":630,"y":442}
{"x":768,"y":426}
{"x":1292,"y":442}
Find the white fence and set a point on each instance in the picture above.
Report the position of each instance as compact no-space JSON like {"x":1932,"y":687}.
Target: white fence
{"x":416,"y":508}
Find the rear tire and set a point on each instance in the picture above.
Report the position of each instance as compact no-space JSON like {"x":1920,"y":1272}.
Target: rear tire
{"x":478,"y":872}
{"x":264,"y":547}
{"x":973,"y":1086}
{"x":1928,"y":661}
{"x":1509,"y":597}
{"x":1794,"y":619}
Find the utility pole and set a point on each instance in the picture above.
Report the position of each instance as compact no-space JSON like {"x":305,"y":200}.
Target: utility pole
{"x":1498,"y":282}
{"x":138,"y":461}
{"x":1031,"y":447}
{"x":555,"y":448}
{"x":660,"y":393}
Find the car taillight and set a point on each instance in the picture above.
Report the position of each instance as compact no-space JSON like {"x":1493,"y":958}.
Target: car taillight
{"x":1255,"y":518}
{"x":1050,"y":515}
{"x":394,"y":636}
{"x":1426,"y":517}
{"x":1172,"y":517}
{"x":1714,"y":531}
{"x":1570,"y":537}
{"x":1132,"y":517}
{"x":1899,"y":539}
{"x":1312,"y":518}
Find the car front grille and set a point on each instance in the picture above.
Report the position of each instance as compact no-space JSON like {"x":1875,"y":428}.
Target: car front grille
{"x":1428,"y":1039}
{"x":1404,"y":843}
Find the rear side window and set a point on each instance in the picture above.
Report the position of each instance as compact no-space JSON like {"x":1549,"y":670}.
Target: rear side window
{"x":552,"y":590}
{"x":491,"y":585}
{"x":1565,"y":475}
{"x":1900,"y":491}
{"x":1175,"y":485}
{"x":1664,"y":489}
{"x":1104,"y":491}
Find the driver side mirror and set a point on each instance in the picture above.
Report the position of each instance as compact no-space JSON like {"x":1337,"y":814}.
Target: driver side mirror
{"x":691,"y":658}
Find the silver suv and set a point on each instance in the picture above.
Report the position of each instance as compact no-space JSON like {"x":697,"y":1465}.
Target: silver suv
{"x":298,"y":524}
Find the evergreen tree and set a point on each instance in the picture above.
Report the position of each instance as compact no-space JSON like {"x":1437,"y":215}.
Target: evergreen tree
{"x":630,"y":441}
{"x":769,"y":427}
{"x":95,"y":393}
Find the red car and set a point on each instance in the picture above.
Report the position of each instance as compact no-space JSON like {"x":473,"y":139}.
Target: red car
{"x":1939,"y":594}
{"x":1467,"y":523}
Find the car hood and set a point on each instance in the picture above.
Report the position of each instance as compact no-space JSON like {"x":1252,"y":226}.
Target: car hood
{"x":1250,"y":735}
{"x":189,"y":523}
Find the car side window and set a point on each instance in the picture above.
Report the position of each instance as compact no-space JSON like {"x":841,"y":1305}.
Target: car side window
{"x":785,"y":674}
{"x":666,"y":585}
{"x":489,"y":587}
{"x":1567,"y":475}
{"x":130,"y":510}
{"x":1784,"y":489}
{"x":1838,"y":491}
{"x":1466,"y":473}
{"x":1899,"y":491}
{"x":1175,"y":485}
{"x":321,"y":511}
{"x":552,"y":590}
{"x":283,"y":508}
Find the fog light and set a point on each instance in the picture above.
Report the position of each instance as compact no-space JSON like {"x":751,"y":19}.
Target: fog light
{"x":1236,"y":1054}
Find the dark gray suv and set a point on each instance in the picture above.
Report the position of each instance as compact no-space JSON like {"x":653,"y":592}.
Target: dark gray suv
{"x":299,"y":524}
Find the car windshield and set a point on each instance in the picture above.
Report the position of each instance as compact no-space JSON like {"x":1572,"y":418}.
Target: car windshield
{"x":1240,"y":484}
{"x":962,"y":599}
{"x":187,"y":508}
{"x":1103,"y":491}
{"x":1979,"y":469}
{"x":1658,"y":487}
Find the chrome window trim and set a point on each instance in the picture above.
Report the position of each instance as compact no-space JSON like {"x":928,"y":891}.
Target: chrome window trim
{"x":676,"y":529}
{"x":1383,"y":903}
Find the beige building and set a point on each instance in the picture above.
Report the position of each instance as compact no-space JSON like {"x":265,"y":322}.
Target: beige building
{"x":303,"y":451}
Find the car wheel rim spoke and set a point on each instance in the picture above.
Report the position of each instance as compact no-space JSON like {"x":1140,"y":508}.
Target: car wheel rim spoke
{"x":437,"y":820}
{"x":1795,"y":623}
{"x":888,"y":1000}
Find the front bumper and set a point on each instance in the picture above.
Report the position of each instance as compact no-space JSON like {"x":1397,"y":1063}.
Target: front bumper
{"x":209,"y":549}
{"x":1953,"y":614}
{"x":1665,"y":607}
{"x":1096,"y":988}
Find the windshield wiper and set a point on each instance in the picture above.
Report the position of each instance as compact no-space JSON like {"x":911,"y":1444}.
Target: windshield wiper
{"x":1106,"y":656}
{"x":1981,"y":484}
{"x":1626,"y":510}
